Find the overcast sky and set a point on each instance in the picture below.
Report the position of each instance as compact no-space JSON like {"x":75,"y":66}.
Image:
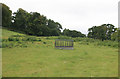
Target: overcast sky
{"x":71,"y":14}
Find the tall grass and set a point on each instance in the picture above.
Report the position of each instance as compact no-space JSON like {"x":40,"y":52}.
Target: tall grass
{"x":96,"y":42}
{"x":18,"y":41}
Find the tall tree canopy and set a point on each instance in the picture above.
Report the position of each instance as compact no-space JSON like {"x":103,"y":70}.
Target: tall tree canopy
{"x":116,"y":35}
{"x":20,"y":19}
{"x":102,"y":32}
{"x":72,"y":33}
{"x":55,"y":27}
{"x":6,"y":15}
{"x":34,"y":23}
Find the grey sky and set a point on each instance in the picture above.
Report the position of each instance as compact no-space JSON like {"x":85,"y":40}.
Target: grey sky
{"x":72,"y":14}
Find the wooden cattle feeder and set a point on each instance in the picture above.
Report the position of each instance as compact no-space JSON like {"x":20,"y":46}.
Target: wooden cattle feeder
{"x":64,"y":44}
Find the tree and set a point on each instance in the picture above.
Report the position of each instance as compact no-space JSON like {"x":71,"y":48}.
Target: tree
{"x":6,"y":16}
{"x":30,"y":23}
{"x":72,"y":33}
{"x":110,"y":29}
{"x":102,"y":32}
{"x":20,"y":19}
{"x":36,"y":24}
{"x":115,"y":36}
{"x":55,"y":27}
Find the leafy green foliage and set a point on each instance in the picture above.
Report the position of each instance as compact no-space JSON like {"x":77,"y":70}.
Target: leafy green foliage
{"x":20,"y":19}
{"x":72,"y":33}
{"x":102,"y":32}
{"x":6,"y":16}
{"x":35,"y":24}
{"x":116,"y":36}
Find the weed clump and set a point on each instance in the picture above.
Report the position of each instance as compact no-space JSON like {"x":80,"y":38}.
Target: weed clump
{"x":11,"y":39}
{"x":44,"y":42}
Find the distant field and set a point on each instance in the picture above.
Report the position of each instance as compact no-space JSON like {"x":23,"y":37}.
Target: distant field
{"x":40,"y":59}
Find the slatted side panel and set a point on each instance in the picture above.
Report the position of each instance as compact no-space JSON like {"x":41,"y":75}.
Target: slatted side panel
{"x":63,"y":43}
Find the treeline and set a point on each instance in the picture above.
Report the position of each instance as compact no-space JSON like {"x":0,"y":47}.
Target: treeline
{"x":34,"y":23}
{"x":72,"y":33}
{"x":103,"y":32}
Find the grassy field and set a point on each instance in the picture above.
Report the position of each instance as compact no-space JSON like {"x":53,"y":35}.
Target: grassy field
{"x":38,"y":58}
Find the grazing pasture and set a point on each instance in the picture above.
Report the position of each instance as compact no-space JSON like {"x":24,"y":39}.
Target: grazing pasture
{"x":31,"y":56}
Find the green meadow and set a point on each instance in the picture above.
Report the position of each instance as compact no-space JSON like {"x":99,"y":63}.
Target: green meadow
{"x":31,"y":56}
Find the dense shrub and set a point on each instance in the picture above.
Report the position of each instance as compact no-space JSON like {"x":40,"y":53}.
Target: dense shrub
{"x":11,"y":39}
{"x":44,"y":42}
